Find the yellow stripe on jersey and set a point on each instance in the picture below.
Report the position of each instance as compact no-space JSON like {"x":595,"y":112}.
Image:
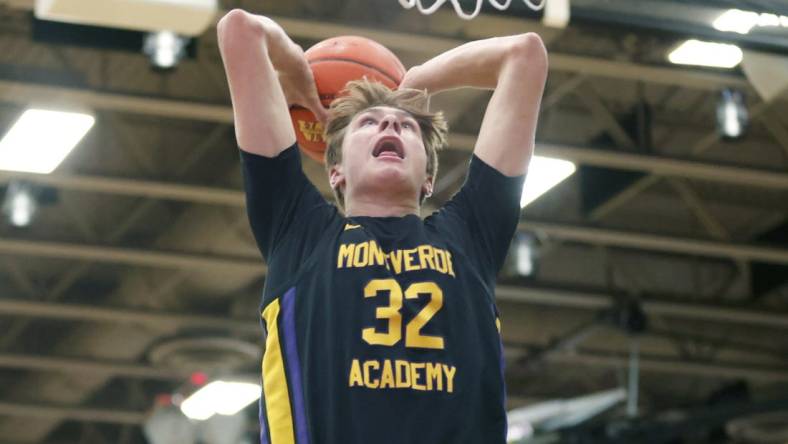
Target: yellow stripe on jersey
{"x":277,"y":398}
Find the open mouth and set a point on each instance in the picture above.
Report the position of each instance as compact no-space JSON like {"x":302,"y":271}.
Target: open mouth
{"x":389,"y":147}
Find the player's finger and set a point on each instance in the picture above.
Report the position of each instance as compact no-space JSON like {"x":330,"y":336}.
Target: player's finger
{"x":319,"y":111}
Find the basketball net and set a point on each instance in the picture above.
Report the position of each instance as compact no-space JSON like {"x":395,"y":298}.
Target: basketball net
{"x":409,"y":4}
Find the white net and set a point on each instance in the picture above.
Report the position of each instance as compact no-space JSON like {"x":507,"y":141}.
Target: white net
{"x":419,"y":4}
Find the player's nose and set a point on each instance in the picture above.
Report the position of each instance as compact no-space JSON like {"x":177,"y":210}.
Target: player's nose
{"x":390,"y":122}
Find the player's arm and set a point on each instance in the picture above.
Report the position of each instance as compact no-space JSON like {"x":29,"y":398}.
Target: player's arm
{"x":516,"y":68}
{"x":266,"y":72}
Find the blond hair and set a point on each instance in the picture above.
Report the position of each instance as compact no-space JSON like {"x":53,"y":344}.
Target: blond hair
{"x":360,"y":95}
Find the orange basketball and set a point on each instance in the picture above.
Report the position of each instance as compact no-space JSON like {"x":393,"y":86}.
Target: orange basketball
{"x":335,"y":62}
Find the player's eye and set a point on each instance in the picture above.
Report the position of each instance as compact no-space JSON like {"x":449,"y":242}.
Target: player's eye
{"x":408,"y":125}
{"x":368,"y":121}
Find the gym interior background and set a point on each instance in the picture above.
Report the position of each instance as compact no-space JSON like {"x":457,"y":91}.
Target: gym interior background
{"x":645,"y":299}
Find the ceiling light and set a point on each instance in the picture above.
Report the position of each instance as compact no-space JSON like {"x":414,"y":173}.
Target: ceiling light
{"x":41,"y":139}
{"x":556,"y":13}
{"x":696,"y":52}
{"x":165,"y":48}
{"x":742,"y":22}
{"x":186,"y":17}
{"x":769,"y":20}
{"x":525,"y":254}
{"x":20,"y":204}
{"x":220,"y":397}
{"x":732,"y":116}
{"x":736,"y":20}
{"x":518,"y":432}
{"x":560,"y":413}
{"x":543,"y":174}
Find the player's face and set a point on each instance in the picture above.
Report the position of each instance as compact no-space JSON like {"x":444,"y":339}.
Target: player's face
{"x":383,"y":152}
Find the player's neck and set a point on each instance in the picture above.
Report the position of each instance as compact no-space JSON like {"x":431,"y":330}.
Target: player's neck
{"x":377,"y":206}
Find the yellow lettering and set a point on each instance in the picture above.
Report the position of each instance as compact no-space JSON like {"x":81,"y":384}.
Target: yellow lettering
{"x":425,"y":257}
{"x":449,"y":372}
{"x":376,"y":255}
{"x":402,"y":372}
{"x":361,"y":256}
{"x":387,"y":375}
{"x":440,"y":260}
{"x":448,"y":261}
{"x":312,"y":131}
{"x":369,"y":382}
{"x":409,"y":266}
{"x":434,"y":373}
{"x":413,"y":336}
{"x":355,"y":374}
{"x":345,"y":255}
{"x":395,"y":257}
{"x":393,"y":332}
{"x":414,"y":375}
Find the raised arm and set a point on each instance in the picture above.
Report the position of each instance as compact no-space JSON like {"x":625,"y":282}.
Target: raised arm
{"x":516,"y":68}
{"x":266,"y":72}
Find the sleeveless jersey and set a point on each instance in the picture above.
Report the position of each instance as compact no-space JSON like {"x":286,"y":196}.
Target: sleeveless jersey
{"x":380,"y":329}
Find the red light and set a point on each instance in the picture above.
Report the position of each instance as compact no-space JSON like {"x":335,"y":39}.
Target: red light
{"x":198,"y":378}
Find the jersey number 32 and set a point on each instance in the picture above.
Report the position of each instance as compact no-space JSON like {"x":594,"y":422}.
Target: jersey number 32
{"x":391,"y":313}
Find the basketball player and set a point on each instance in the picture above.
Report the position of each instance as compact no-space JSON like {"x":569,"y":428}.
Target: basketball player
{"x":381,"y":327}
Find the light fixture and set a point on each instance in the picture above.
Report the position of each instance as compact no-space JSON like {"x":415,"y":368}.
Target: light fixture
{"x":732,"y":116}
{"x":556,"y":13}
{"x":736,"y":20}
{"x":165,"y":48}
{"x":220,"y":397}
{"x":185,"y":17}
{"x":555,"y":414}
{"x":40,"y":139}
{"x":525,"y":252}
{"x":20,"y":204}
{"x":165,"y":424}
{"x":543,"y":174}
{"x":699,"y":53}
{"x":518,"y":432}
{"x":769,"y":20}
{"x":742,"y":22}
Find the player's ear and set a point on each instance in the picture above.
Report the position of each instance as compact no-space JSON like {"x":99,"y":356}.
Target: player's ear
{"x":426,"y":188}
{"x":336,"y":178}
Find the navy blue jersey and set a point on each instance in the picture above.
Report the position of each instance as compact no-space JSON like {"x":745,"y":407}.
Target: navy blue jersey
{"x":380,"y":329}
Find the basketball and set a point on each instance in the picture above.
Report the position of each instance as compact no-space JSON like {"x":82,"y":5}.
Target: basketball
{"x":334,"y":62}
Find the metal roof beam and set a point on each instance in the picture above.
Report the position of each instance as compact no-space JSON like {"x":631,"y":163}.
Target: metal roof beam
{"x":74,"y":413}
{"x":676,"y":310}
{"x":88,"y":366}
{"x":654,"y":242}
{"x":524,"y":295}
{"x":79,"y":312}
{"x":129,"y":256}
{"x":577,"y":233}
{"x":657,"y":165}
{"x":672,"y":366}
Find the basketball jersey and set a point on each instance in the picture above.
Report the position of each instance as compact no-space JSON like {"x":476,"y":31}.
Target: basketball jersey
{"x":380,"y":329}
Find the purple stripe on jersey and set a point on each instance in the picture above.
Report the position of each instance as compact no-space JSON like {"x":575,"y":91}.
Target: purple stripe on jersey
{"x":294,"y":365}
{"x":503,"y":379}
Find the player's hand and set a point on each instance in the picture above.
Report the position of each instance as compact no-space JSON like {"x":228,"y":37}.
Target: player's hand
{"x":412,"y":80}
{"x":298,"y":84}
